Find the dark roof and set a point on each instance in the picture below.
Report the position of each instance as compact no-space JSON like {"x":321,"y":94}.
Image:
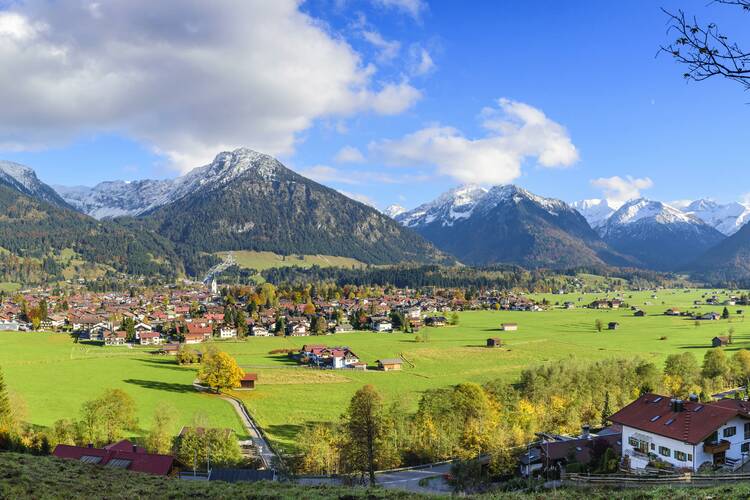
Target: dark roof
{"x":390,"y":361}
{"x":120,"y":455}
{"x":653,"y":413}
{"x":236,"y":475}
{"x":582,"y":449}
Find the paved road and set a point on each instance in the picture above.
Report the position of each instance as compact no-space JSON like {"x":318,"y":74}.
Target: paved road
{"x":409,"y":479}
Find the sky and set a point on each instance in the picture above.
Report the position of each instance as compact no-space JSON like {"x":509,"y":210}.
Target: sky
{"x":388,"y":101}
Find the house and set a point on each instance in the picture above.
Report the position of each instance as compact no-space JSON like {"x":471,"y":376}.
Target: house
{"x":639,"y":313}
{"x":170,"y":349}
{"x":557,"y":452}
{"x":388,"y":365}
{"x":343,"y":328}
{"x":194,"y":338}
{"x":613,"y":325}
{"x":296,"y":329}
{"x":151,"y":338}
{"x":719,"y":341}
{"x":227,"y":332}
{"x":494,"y":342}
{"x":260,"y":331}
{"x":9,"y":326}
{"x":248,"y":381}
{"x":509,"y":327}
{"x":122,"y":455}
{"x":684,"y":434}
{"x":672,"y":312}
{"x":118,"y":337}
{"x":435,"y":321}
{"x":199,"y":329}
{"x":381,"y":325}
{"x":709,"y":316}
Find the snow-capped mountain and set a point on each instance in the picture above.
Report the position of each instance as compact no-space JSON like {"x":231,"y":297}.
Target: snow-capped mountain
{"x":508,"y":224}
{"x":595,"y":211}
{"x":24,"y":180}
{"x":657,"y":234}
{"x":118,"y":198}
{"x":456,"y":204}
{"x":394,"y":211}
{"x":727,"y":218}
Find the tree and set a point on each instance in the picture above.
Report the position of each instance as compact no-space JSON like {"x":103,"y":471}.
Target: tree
{"x":118,"y":413}
{"x":725,"y":313}
{"x":715,"y":364}
{"x":220,"y":371}
{"x":365,"y":428}
{"x":681,"y":373}
{"x":454,"y":319}
{"x":159,"y":438}
{"x":705,"y":51}
{"x":606,"y":410}
{"x":741,"y":366}
{"x":6,"y":412}
{"x":598,"y":324}
{"x":186,"y":355}
{"x":322,"y":451}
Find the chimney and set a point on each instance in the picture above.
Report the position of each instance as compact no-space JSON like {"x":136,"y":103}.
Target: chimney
{"x":678,"y":405}
{"x":90,"y":445}
{"x":586,"y":431}
{"x":135,"y":448}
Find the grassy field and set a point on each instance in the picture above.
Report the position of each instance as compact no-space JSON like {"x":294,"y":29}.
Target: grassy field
{"x":267,"y":260}
{"x":54,"y":376}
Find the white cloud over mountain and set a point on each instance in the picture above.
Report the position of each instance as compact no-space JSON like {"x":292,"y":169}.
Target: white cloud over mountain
{"x":617,"y":190}
{"x":187,"y":78}
{"x":516,"y":132}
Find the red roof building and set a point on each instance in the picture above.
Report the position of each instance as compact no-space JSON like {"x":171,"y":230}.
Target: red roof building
{"x":122,"y":455}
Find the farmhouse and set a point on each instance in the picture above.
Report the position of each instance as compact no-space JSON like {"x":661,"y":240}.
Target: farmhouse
{"x":388,"y":365}
{"x":381,"y":324}
{"x":122,"y":455}
{"x":227,"y":332}
{"x":494,"y":342}
{"x":150,"y":338}
{"x":684,"y":434}
{"x":435,"y":321}
{"x":260,"y":331}
{"x":509,"y":327}
{"x":248,"y":381}
{"x":710,"y":316}
{"x":194,"y":338}
{"x":9,"y":326}
{"x":118,"y":337}
{"x":719,"y":341}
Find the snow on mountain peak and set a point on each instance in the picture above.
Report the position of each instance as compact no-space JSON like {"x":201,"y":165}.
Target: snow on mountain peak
{"x":394,"y":210}
{"x":595,"y":211}
{"x":453,"y":205}
{"x":727,"y":218}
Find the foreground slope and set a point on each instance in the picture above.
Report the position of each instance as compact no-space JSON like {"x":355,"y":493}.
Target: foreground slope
{"x":246,"y":200}
{"x":508,"y":224}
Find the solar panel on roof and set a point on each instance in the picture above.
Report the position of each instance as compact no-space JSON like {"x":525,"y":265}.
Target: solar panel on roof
{"x":658,"y":399}
{"x":119,"y":463}
{"x":90,"y":459}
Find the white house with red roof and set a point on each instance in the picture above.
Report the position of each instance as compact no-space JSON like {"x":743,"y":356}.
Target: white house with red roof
{"x":685,"y":434}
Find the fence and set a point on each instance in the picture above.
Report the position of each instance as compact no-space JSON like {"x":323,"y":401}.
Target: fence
{"x":625,"y":480}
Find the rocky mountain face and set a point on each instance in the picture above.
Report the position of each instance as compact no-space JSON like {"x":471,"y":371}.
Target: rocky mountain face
{"x":658,"y":235}
{"x":508,"y":224}
{"x":24,"y":180}
{"x":727,"y":218}
{"x":595,"y":211}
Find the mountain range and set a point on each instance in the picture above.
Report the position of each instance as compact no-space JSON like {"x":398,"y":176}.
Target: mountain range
{"x":245,"y":200}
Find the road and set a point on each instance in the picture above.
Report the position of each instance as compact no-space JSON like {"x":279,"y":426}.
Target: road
{"x":409,"y":479}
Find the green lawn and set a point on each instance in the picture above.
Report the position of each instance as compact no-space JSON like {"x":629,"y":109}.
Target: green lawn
{"x":267,"y":260}
{"x":53,"y":376}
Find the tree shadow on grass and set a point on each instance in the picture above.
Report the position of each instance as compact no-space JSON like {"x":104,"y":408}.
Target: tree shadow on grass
{"x":167,"y":364}
{"x":161,"y":386}
{"x":283,"y":359}
{"x":287,"y":431}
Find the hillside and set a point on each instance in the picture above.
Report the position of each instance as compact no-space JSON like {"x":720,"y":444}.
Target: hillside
{"x":249,"y":201}
{"x":37,"y":236}
{"x":729,"y":261}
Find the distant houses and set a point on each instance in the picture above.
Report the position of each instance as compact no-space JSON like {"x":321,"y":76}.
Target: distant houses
{"x":388,"y":365}
{"x":494,"y":342}
{"x":122,"y":455}
{"x":509,"y":327}
{"x":719,"y":341}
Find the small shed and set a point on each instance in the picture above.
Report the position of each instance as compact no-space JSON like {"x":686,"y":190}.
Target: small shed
{"x":494,"y":342}
{"x":639,"y":313}
{"x":388,"y":365}
{"x":509,"y":327}
{"x":719,"y":341}
{"x":248,"y":381}
{"x":613,"y":325}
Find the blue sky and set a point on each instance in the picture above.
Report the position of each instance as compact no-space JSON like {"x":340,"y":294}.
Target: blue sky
{"x":589,"y":67}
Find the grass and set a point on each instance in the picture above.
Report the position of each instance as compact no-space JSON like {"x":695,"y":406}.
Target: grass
{"x":54,"y":376}
{"x":267,"y":260}
{"x":9,"y":286}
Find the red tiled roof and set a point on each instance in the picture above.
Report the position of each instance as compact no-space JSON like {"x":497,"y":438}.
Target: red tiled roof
{"x":694,"y":424}
{"x":197,"y":328}
{"x":140,"y":461}
{"x":250,"y":376}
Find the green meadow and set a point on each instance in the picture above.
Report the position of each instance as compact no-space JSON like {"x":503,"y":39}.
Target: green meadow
{"x":54,"y":376}
{"x":266,"y":260}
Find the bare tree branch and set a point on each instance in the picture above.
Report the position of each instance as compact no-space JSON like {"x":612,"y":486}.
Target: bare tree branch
{"x":705,"y":50}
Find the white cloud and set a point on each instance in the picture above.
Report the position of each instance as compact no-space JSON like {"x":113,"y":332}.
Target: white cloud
{"x":362,"y":198}
{"x":421,"y":61}
{"x":349,"y":154}
{"x":516,"y":132}
{"x":187,"y":78}
{"x":412,"y":7}
{"x":617,"y":190}
{"x":387,"y":49}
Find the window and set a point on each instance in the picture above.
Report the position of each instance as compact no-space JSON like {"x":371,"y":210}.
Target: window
{"x":654,"y":419}
{"x":682,"y":456}
{"x":747,"y":430}
{"x":669,"y":422}
{"x":653,"y":446}
{"x":729,"y":431}
{"x":745,"y":448}
{"x":633,"y":442}
{"x":690,"y":457}
{"x":664,"y":451}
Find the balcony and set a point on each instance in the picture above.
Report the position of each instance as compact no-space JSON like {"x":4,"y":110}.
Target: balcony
{"x":714,"y":447}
